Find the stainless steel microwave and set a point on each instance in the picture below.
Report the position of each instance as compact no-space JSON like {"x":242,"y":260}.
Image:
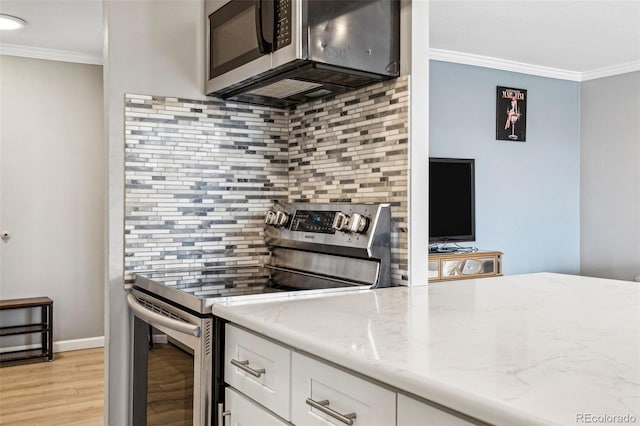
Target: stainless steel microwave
{"x":285,"y":52}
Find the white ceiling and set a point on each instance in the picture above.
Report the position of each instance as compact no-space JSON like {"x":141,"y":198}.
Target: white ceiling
{"x":73,"y":26}
{"x":579,"y":36}
{"x":576,"y":36}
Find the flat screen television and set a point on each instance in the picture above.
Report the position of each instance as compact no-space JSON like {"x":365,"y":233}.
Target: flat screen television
{"x":451,"y":200}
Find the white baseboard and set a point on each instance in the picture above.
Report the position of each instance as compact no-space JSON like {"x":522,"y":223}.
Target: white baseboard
{"x":63,"y":345}
{"x":77,"y":344}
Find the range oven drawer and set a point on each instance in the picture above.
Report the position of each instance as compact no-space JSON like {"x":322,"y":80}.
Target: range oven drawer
{"x":258,"y":368}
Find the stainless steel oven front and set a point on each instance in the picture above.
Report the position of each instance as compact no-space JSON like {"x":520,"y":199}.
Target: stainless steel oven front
{"x":172,"y":363}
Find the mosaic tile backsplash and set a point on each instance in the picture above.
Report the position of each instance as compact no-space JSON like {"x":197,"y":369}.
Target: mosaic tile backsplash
{"x":354,"y":149}
{"x":200,"y":174}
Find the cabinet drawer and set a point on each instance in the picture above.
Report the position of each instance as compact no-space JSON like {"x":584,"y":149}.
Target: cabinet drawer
{"x":258,"y":368}
{"x":244,"y":412}
{"x":316,"y":383}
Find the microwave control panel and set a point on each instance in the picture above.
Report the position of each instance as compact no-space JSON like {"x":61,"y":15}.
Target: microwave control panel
{"x":283,"y":23}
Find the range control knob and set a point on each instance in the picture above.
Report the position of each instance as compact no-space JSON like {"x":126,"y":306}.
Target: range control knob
{"x":281,"y":219}
{"x":270,"y":217}
{"x":341,"y":222}
{"x":358,"y":223}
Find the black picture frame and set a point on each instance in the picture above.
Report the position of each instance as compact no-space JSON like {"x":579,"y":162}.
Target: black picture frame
{"x":511,"y":114}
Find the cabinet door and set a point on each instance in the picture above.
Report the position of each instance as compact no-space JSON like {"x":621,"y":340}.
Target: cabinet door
{"x":324,"y":395}
{"x":258,"y":368}
{"x":244,"y":412}
{"x":412,"y":412}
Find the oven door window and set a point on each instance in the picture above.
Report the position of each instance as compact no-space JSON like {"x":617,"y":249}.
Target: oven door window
{"x":233,"y":36}
{"x":163,"y":391}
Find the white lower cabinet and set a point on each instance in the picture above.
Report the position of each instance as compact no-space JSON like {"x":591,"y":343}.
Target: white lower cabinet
{"x":270,"y":384}
{"x":412,"y":413}
{"x":259,"y":368}
{"x":244,"y":412}
{"x":324,"y":395}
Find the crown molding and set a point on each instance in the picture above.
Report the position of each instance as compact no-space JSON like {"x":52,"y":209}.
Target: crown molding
{"x":49,"y":54}
{"x":611,"y":71}
{"x":502,"y":64}
{"x":506,"y":65}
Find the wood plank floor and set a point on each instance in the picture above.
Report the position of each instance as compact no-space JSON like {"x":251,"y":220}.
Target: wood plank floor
{"x":67,"y":391}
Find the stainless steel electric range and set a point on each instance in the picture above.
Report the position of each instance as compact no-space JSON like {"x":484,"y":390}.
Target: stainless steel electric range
{"x":313,"y":248}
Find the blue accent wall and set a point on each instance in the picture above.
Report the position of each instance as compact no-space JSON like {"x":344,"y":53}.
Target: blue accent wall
{"x":527,"y":193}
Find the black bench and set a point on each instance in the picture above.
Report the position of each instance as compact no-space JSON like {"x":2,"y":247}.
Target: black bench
{"x":44,"y":328}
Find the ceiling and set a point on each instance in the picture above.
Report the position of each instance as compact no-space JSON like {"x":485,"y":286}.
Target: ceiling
{"x":579,"y":36}
{"x":55,"y":27}
{"x":575,"y":36}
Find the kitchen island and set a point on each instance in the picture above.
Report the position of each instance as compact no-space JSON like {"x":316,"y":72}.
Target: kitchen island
{"x":528,"y":349}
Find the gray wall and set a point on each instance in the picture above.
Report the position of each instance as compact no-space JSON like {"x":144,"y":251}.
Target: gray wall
{"x":610,"y":177}
{"x":52,"y":168}
{"x":150,"y":47}
{"x":527,"y":193}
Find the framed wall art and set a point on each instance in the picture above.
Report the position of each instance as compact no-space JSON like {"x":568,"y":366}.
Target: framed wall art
{"x":511,"y":114}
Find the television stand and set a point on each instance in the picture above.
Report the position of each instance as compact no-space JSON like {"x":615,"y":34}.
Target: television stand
{"x":464,"y":265}
{"x":452,"y":250}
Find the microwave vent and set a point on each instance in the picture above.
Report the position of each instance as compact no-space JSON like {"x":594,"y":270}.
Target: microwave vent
{"x":284,"y":88}
{"x":318,"y":93}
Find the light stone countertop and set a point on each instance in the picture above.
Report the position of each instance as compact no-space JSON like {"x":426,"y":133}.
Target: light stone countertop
{"x":525,"y":349}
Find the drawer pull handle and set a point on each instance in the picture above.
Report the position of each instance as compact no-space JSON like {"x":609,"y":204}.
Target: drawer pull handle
{"x":324,"y":407}
{"x":244,"y":366}
{"x":222,"y":414}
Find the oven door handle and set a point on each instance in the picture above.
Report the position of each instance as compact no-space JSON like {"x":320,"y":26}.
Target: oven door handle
{"x":155,"y":318}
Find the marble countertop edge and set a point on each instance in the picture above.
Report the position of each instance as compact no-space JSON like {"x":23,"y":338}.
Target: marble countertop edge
{"x":530,"y":349}
{"x":483,"y":409}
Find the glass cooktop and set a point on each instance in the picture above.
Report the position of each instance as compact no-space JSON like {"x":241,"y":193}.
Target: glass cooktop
{"x":198,"y":289}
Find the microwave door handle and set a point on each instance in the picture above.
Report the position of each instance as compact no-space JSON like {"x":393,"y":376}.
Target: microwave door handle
{"x":264,"y":46}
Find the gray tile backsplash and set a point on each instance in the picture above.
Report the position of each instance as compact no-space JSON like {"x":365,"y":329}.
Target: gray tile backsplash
{"x":200,"y":174}
{"x":354,"y":148}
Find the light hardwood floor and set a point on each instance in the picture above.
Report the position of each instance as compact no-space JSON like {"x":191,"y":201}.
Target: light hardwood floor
{"x":67,"y":391}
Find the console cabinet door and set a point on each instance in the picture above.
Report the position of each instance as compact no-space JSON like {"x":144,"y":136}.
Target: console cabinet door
{"x":340,"y":395}
{"x":412,"y":412}
{"x":244,"y":412}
